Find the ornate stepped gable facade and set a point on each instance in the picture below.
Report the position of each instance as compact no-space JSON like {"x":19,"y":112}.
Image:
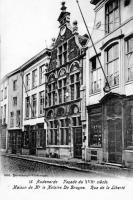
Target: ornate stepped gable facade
{"x":63,"y":95}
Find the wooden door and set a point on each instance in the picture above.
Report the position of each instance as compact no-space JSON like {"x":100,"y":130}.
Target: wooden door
{"x":14,"y":142}
{"x":32,"y":143}
{"x":77,"y":142}
{"x":115,"y":140}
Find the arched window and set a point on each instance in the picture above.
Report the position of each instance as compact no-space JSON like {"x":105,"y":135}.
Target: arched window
{"x":74,"y":81}
{"x":95,"y":72}
{"x":74,"y":109}
{"x":129,"y":58}
{"x":51,"y":90}
{"x":50,"y":114}
{"x":112,"y":64}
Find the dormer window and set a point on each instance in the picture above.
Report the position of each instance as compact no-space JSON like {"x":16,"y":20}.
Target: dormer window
{"x":112,"y":15}
{"x":62,"y":56}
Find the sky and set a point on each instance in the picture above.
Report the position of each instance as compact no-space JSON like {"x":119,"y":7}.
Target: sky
{"x":28,"y":26}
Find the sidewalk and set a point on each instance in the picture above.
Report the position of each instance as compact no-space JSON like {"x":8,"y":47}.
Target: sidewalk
{"x":77,"y":164}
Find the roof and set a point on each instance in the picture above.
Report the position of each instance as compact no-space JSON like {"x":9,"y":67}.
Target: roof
{"x":30,"y":62}
{"x":83,"y":39}
{"x":94,"y":1}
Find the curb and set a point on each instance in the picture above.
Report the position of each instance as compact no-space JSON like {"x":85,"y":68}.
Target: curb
{"x":58,"y":165}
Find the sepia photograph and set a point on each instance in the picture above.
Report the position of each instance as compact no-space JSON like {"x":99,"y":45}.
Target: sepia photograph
{"x":66,"y":98}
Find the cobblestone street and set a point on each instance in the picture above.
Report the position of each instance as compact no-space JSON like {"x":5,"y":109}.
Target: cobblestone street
{"x":30,"y":168}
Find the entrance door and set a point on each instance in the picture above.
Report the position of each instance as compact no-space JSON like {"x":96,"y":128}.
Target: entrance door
{"x":115,"y":140}
{"x":32,"y":143}
{"x":77,"y":142}
{"x":14,"y":142}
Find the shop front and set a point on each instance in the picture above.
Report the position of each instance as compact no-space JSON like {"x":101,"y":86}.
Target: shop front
{"x":34,"y":139}
{"x":15,"y":138}
{"x":110,"y":132}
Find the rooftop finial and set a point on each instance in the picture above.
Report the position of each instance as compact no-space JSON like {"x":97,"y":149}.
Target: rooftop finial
{"x":75,"y":26}
{"x":63,"y":8}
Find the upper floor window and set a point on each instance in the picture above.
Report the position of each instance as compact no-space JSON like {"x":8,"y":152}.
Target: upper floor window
{"x":1,"y":95}
{"x":95,"y":75}
{"x":51,"y":90}
{"x":5,"y":111}
{"x":76,"y":121}
{"x":42,"y":74}
{"x":27,"y":107}
{"x":5,"y":93}
{"x":62,"y":56}
{"x":112,"y":64}
{"x":34,"y":105}
{"x":18,"y":118}
{"x":34,"y":78}
{"x":12,"y":119}
{"x":112,"y":15}
{"x":1,"y":112}
{"x":14,"y":85}
{"x":41,"y":99}
{"x":14,"y":101}
{"x":129,"y":58}
{"x":74,"y":81}
{"x":28,"y":82}
{"x":62,"y":83}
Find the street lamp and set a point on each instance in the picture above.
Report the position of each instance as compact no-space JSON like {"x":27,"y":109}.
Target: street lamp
{"x":106,"y":88}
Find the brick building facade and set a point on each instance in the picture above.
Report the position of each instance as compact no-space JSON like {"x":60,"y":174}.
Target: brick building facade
{"x":63,"y":91}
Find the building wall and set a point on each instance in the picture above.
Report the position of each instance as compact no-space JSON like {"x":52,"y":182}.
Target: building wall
{"x":15,"y":112}
{"x":99,"y":25}
{"x":102,"y":43}
{"x":17,"y":92}
{"x":39,"y":118}
{"x":65,"y":102}
{"x":4,"y":114}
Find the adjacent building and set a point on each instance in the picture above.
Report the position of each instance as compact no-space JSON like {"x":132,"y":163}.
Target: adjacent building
{"x":64,"y":79}
{"x":3,"y":113}
{"x":109,"y":135}
{"x":15,"y":111}
{"x":34,"y":126}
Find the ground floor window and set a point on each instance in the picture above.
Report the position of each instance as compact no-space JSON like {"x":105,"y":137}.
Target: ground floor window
{"x":26,"y":138}
{"x":64,"y":132}
{"x":52,"y":133}
{"x":129,"y":125}
{"x":41,"y":136}
{"x":3,"y":138}
{"x":95,"y":130}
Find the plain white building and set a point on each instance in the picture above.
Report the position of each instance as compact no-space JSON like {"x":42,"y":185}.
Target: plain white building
{"x":34,"y":126}
{"x":109,"y":133}
{"x":3,"y":112}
